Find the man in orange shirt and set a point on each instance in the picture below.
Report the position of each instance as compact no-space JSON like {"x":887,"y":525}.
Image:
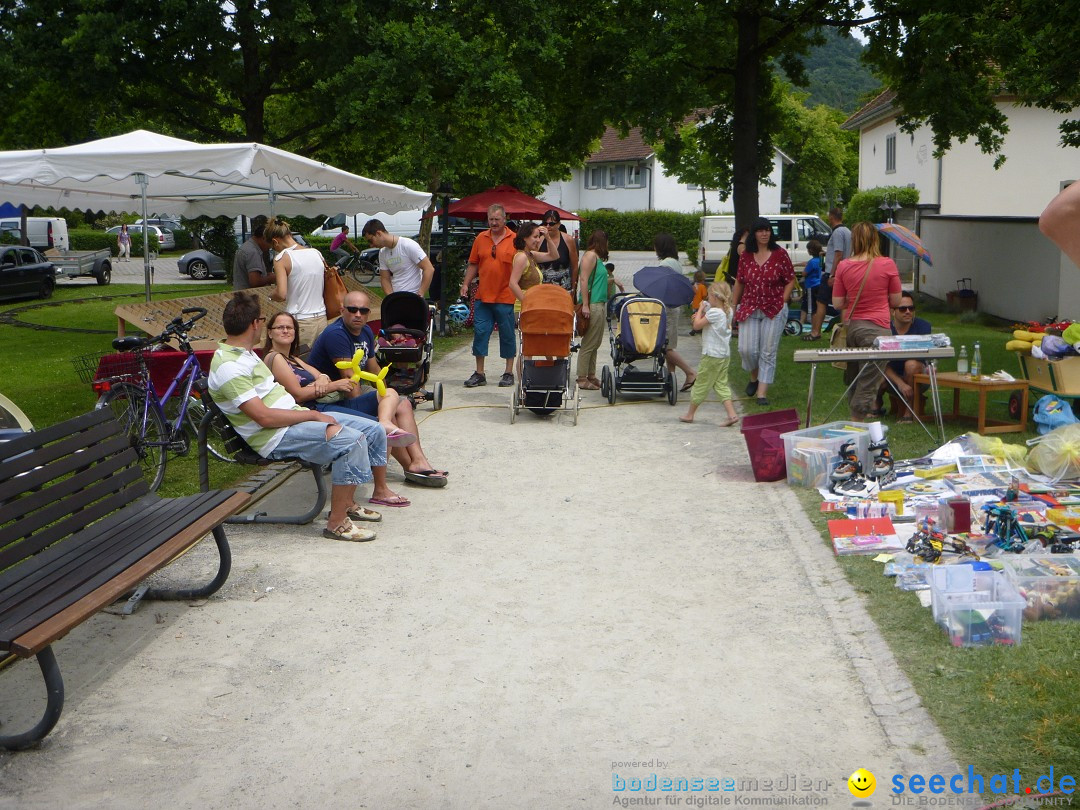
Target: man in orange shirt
{"x":493,"y":257}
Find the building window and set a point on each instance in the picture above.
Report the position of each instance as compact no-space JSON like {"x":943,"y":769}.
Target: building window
{"x":594,"y":177}
{"x":890,"y":154}
{"x":693,"y":187}
{"x":633,"y":175}
{"x":616,"y":176}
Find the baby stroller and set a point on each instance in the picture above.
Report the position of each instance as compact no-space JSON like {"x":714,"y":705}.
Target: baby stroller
{"x":637,"y":327}
{"x":405,"y":341}
{"x":546,"y":332}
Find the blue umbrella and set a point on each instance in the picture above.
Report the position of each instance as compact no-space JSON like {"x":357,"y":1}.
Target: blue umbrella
{"x":663,"y":283}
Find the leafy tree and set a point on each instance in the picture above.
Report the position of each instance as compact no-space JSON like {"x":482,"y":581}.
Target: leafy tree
{"x":826,"y":156}
{"x":719,"y":59}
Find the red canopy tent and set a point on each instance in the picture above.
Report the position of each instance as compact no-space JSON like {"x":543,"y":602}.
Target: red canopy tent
{"x":518,"y":205}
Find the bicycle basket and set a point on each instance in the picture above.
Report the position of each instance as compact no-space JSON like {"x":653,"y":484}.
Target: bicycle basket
{"x":105,"y":366}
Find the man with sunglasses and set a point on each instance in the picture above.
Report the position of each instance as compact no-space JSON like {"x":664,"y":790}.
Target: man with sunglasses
{"x":902,"y":372}
{"x":492,"y":258}
{"x":340,"y":341}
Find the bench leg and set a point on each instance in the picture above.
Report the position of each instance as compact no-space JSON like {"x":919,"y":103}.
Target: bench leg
{"x":54,"y":686}
{"x":225,"y":566}
{"x":321,"y":495}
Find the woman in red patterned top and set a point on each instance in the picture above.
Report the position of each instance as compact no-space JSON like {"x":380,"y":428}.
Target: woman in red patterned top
{"x":762,"y":286}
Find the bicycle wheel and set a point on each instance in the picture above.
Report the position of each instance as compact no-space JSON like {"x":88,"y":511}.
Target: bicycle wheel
{"x":363,"y":271}
{"x":148,"y":436}
{"x":215,"y":444}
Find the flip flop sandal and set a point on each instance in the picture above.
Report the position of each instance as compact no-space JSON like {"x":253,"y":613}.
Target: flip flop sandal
{"x":688,"y":385}
{"x":399,"y":438}
{"x":395,"y":502}
{"x":425,"y":478}
{"x":811,"y":338}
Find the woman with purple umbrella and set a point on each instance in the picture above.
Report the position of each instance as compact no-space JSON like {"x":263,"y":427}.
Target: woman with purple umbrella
{"x":762,"y":287}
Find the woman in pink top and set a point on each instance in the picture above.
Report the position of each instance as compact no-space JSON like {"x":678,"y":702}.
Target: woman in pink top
{"x":870,"y":309}
{"x":762,"y":287}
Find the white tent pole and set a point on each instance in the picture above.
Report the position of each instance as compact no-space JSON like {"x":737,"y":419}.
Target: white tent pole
{"x":272,"y":196}
{"x":142,"y":182}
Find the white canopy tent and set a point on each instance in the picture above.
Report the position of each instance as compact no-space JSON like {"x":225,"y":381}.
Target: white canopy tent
{"x":144,"y":172}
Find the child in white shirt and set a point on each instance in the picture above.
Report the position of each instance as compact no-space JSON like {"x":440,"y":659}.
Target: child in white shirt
{"x":713,"y":318}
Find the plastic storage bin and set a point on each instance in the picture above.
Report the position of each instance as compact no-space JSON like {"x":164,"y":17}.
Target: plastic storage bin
{"x":813,"y":453}
{"x":1050,"y":585}
{"x":762,"y":433}
{"x":975,"y":608}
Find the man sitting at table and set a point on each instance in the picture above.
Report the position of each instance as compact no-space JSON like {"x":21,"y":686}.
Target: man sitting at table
{"x":902,"y":372}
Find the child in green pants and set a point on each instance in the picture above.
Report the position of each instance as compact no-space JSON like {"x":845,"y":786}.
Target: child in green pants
{"x":713,"y":318}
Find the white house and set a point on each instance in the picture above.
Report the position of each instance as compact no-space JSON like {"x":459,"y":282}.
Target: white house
{"x":977,"y":221}
{"x":625,"y":174}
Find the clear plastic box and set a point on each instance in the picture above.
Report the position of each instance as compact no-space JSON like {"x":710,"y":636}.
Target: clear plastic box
{"x":814,"y":452}
{"x":1049,"y":585}
{"x":975,"y":608}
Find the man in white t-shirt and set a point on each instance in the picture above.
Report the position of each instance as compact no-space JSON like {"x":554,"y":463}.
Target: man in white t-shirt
{"x":403,"y":265}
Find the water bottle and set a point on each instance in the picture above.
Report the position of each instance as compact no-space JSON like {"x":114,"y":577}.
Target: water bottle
{"x":976,"y":361}
{"x":962,"y":361}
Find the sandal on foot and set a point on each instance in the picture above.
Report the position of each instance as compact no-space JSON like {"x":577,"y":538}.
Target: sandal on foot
{"x":809,"y":338}
{"x":397,"y":500}
{"x":686,"y":386}
{"x":348,"y":532}
{"x":399,"y":438}
{"x":360,"y":513}
{"x":426,"y":478}
{"x":585,"y":385}
{"x":594,"y":381}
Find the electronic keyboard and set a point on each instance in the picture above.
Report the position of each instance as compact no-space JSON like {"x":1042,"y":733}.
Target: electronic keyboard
{"x":857,"y":355}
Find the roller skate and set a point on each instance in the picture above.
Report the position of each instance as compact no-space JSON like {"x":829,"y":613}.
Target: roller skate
{"x":847,"y":478}
{"x":882,"y":461}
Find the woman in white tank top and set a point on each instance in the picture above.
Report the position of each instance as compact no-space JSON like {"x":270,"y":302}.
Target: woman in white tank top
{"x":298,"y":272}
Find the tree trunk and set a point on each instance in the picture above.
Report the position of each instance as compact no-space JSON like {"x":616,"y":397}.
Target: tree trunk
{"x":744,"y":120}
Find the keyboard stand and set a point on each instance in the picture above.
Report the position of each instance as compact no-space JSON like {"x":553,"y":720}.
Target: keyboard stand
{"x":935,"y":395}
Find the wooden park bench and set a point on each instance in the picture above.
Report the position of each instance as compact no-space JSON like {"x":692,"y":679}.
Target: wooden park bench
{"x":78,"y":530}
{"x":215,"y":423}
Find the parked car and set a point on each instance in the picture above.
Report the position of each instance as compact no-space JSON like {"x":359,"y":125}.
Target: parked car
{"x":166,"y":240}
{"x":25,"y":273}
{"x":201,"y":264}
{"x":45,"y":232}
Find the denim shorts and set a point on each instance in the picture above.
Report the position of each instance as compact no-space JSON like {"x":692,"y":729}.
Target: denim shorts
{"x":358,"y":446}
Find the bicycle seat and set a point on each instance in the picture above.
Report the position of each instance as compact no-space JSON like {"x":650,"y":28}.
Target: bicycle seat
{"x":126,"y":344}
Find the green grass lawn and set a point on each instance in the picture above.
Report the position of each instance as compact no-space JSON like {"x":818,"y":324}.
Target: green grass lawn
{"x":1000,"y":707}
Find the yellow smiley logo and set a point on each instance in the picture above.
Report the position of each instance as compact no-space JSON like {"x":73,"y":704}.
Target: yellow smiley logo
{"x":862,"y":783}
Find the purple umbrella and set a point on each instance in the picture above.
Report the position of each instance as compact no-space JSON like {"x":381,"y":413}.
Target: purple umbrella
{"x":663,"y":283}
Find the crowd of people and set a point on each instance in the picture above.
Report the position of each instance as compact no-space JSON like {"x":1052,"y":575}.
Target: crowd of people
{"x":749,"y":297}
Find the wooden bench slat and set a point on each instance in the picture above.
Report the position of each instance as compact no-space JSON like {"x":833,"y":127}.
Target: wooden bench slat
{"x":51,"y":469}
{"x":118,"y":544}
{"x":35,"y":449}
{"x":57,"y":627}
{"x":107,"y":463}
{"x":106,"y":539}
{"x":89,"y":504}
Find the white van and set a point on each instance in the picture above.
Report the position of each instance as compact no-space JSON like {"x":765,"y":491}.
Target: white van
{"x":792,"y":232}
{"x":44,"y":232}
{"x":403,"y":223}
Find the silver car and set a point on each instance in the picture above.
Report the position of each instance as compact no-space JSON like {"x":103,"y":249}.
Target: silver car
{"x":166,"y":240}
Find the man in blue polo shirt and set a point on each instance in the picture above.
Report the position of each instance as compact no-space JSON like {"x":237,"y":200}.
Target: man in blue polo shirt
{"x":902,"y":372}
{"x":340,"y":341}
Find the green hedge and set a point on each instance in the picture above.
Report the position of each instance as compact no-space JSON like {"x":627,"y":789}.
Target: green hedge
{"x":864,"y":205}
{"x":88,"y":239}
{"x":635,"y":230}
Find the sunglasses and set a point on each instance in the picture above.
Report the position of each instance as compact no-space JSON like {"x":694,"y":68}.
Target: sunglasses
{"x":493,"y":251}
{"x":552,"y":222}
{"x":358,"y":310}
{"x":905,"y":309}
{"x":259,"y":320}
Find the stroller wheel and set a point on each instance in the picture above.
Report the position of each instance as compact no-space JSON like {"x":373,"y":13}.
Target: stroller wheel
{"x":613,"y":384}
{"x":513,"y":406}
{"x":792,"y":327}
{"x":436,"y":396}
{"x":604,"y":381}
{"x":671,"y":385}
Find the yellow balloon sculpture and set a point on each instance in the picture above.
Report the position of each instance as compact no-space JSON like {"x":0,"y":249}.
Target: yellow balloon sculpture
{"x":358,"y":373}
